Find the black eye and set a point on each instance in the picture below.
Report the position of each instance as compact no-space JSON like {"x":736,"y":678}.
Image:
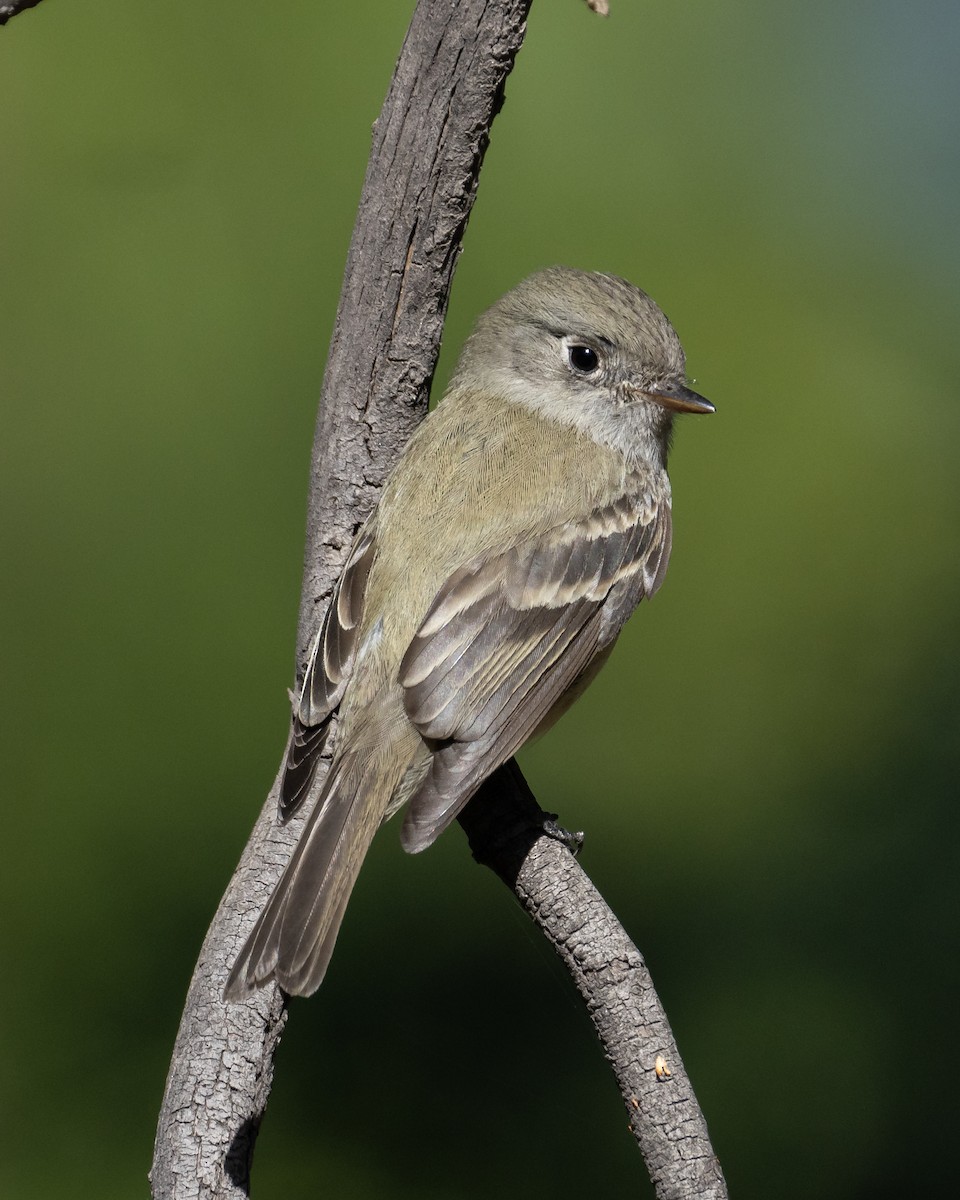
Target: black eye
{"x":583,"y":359}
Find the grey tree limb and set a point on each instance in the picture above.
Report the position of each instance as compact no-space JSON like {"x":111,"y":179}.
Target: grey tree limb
{"x":421,"y":181}
{"x":10,"y":8}
{"x":505,"y":828}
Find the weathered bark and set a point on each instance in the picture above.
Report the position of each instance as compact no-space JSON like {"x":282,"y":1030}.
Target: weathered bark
{"x":428,"y":145}
{"x":505,"y":828}
{"x":421,"y":180}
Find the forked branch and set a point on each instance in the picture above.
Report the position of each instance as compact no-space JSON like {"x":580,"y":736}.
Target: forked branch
{"x":421,"y":181}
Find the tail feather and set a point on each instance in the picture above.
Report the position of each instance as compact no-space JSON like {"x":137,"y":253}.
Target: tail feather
{"x":294,"y":938}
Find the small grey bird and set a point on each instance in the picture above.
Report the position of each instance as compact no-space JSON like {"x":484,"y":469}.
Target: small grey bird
{"x":526,"y":520}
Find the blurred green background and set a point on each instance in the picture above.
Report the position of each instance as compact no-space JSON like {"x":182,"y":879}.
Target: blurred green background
{"x":769,"y":782}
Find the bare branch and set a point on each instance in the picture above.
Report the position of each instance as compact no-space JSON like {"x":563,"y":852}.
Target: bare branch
{"x":505,"y":827}
{"x":12,"y":7}
{"x":428,"y":145}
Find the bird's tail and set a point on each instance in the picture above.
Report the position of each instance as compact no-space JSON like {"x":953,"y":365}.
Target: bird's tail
{"x":294,"y":938}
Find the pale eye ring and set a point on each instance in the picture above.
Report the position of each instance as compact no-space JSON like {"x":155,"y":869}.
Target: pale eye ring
{"x":582,"y":358}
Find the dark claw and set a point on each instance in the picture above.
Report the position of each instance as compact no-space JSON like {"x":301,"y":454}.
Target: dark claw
{"x":572,"y":841}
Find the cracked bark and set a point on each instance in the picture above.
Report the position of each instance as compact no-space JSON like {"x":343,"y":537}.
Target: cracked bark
{"x":428,"y":146}
{"x":504,"y":825}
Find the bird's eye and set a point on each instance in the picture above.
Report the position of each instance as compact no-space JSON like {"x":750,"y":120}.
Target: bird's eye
{"x":583,"y":359}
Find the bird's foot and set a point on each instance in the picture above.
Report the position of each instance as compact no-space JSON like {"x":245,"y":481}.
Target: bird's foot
{"x":572,"y":841}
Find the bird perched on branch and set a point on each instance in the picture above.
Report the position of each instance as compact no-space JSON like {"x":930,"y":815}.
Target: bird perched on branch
{"x":527,"y":518}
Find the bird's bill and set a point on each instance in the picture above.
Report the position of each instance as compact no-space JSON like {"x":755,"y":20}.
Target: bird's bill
{"x":680,"y":399}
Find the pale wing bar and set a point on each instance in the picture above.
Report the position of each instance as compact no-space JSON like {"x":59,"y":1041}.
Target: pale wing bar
{"x":508,"y":635}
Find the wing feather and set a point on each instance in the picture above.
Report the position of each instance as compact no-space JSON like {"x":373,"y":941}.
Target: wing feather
{"x":331,"y":662}
{"x":510,"y":634}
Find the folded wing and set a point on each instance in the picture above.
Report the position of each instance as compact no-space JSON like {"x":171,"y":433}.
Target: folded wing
{"x":510,"y":634}
{"x":330,"y":665}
